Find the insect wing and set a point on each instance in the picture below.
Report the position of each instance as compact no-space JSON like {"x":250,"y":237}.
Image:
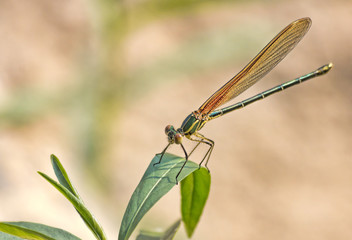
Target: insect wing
{"x":264,"y":62}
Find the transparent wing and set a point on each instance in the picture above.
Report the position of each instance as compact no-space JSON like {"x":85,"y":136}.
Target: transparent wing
{"x":264,"y":62}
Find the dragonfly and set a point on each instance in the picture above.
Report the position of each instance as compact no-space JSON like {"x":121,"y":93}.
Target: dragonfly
{"x":256,"y":69}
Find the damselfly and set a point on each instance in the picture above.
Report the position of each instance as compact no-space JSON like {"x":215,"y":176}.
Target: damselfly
{"x":264,"y":62}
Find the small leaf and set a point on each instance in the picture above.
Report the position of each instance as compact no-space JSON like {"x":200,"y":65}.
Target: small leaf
{"x":148,"y":236}
{"x":169,"y":234}
{"x":62,"y":176}
{"x":33,"y":231}
{"x":171,"y":231}
{"x":194,"y":194}
{"x":79,"y":206}
{"x":155,"y":183}
{"x":64,"y":180}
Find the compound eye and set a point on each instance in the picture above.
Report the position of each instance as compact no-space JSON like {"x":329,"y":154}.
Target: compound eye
{"x":168,"y":128}
{"x":178,"y":138}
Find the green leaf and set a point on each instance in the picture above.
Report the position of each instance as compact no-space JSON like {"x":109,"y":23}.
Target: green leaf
{"x":194,"y":194}
{"x":5,"y":236}
{"x":79,"y":206}
{"x":64,"y":180}
{"x":155,"y":183}
{"x":171,"y":231}
{"x":32,"y":231}
{"x":62,"y":176}
{"x":169,"y":234}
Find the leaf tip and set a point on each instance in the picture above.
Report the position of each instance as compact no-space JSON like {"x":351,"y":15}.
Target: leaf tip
{"x":53,"y":157}
{"x":43,"y":175}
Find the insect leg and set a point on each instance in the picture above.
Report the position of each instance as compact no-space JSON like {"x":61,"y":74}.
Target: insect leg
{"x":211,"y":147}
{"x":162,"y":154}
{"x":184,"y":150}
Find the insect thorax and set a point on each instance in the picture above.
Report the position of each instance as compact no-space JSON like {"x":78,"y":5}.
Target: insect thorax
{"x":192,"y":124}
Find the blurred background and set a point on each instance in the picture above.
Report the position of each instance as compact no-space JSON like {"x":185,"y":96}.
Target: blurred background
{"x":96,"y":82}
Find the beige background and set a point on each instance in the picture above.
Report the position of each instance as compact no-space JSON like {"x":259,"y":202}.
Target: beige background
{"x":99,"y":99}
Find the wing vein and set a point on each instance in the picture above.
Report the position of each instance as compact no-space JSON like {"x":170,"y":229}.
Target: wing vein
{"x":263,"y":63}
